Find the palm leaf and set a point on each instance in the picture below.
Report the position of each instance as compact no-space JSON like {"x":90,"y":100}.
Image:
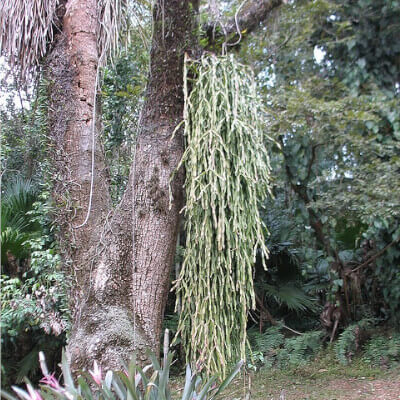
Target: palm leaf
{"x":17,"y":200}
{"x":289,"y":295}
{"x":113,"y":19}
{"x":28,"y":366}
{"x":16,"y":224}
{"x":26,"y":27}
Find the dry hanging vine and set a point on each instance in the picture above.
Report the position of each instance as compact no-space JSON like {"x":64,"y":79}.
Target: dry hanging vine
{"x":227,"y":173}
{"x":28,"y":26}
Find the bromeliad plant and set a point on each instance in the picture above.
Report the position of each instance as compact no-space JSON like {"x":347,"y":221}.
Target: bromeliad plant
{"x":227,"y":174}
{"x":134,"y":384}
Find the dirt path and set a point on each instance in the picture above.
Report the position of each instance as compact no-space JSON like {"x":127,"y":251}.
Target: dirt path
{"x":379,"y":389}
{"x":337,"y":389}
{"x":309,"y":383}
{"x":283,"y":386}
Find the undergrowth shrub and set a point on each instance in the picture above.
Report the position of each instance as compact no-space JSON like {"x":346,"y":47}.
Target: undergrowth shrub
{"x":264,"y":346}
{"x":351,"y":340}
{"x":381,"y":351}
{"x":271,"y":339}
{"x":270,"y":348}
{"x":300,"y":350}
{"x":34,"y":307}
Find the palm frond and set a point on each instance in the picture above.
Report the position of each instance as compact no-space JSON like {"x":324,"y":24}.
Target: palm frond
{"x":19,"y":195}
{"x":291,"y":296}
{"x":15,"y":222}
{"x":26,"y":27}
{"x":113,"y":18}
{"x":16,"y":202}
{"x":28,"y":366}
{"x":12,"y":242}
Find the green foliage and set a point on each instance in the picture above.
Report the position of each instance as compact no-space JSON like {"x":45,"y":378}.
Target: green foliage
{"x":227,"y":174}
{"x":271,"y":339}
{"x":264,"y":346}
{"x":23,"y":129}
{"x":16,"y":224}
{"x":34,"y":313}
{"x":282,"y":287}
{"x":293,"y":297}
{"x":360,"y":40}
{"x":171,"y":323}
{"x":134,"y":383}
{"x":272,"y":349}
{"x":123,"y":85}
{"x":328,"y":70}
{"x":300,"y":350}
{"x":383,"y":276}
{"x":350,"y":340}
{"x":33,"y":310}
{"x":382,"y":351}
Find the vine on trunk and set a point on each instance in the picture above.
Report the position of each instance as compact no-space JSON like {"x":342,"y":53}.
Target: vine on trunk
{"x":227,"y":174}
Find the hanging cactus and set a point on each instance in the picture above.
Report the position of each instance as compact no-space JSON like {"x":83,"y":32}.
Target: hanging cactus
{"x":227,"y":175}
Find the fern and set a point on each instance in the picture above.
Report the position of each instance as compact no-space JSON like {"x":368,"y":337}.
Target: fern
{"x":283,"y":353}
{"x":299,"y":350}
{"x":271,"y":339}
{"x":348,"y":342}
{"x":264,"y":346}
{"x":380,"y":351}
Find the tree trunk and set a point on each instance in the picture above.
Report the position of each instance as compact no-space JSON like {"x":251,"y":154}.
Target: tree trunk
{"x":120,"y":262}
{"x":156,"y":220}
{"x":71,"y":75}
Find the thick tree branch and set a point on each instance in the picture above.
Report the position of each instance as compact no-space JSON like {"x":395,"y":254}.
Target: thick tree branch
{"x":312,"y":160}
{"x":250,"y":16}
{"x":247,"y":20}
{"x":375,"y":256}
{"x":301,"y":191}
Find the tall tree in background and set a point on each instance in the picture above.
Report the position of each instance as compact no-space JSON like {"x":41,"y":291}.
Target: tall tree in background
{"x":333,"y":89}
{"x":119,"y":259}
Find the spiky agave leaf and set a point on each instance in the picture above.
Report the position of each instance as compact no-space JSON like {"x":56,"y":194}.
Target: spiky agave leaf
{"x":227,"y":174}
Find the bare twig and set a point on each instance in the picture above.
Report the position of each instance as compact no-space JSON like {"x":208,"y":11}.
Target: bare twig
{"x":375,"y":256}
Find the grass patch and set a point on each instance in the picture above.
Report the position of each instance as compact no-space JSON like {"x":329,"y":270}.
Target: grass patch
{"x":324,"y":378}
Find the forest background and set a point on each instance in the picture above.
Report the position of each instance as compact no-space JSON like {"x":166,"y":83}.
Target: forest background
{"x":328,"y":73}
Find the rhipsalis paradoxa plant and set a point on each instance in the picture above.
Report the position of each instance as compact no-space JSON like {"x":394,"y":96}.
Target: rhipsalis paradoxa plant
{"x":227,"y":174}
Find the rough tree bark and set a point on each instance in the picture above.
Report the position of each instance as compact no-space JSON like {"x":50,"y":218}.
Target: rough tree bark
{"x":118,"y":295}
{"x":120,"y":260}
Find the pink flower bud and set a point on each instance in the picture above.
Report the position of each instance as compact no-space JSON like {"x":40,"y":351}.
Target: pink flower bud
{"x":51,"y":381}
{"x":96,"y":373}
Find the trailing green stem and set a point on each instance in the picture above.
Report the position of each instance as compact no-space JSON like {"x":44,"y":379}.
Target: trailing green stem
{"x":227,"y":174}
